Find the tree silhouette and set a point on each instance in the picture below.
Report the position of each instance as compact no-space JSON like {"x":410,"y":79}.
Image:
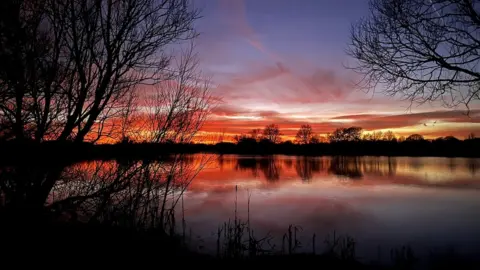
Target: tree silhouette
{"x":415,"y":137}
{"x":422,"y":50}
{"x":377,"y":135}
{"x":255,"y":134}
{"x":304,"y":134}
{"x":66,"y":65}
{"x":315,"y":139}
{"x":178,"y":108}
{"x":346,"y":134}
{"x":389,"y":136}
{"x":272,"y":133}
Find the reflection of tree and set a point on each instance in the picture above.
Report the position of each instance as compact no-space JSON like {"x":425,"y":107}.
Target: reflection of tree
{"x":472,"y":165}
{"x":452,"y":165}
{"x":288,"y":162}
{"x":416,"y":164}
{"x":392,"y":166}
{"x":25,"y":188}
{"x":268,"y":166}
{"x":221,"y":162}
{"x":346,"y":166}
{"x":137,"y":194}
{"x":244,"y":164}
{"x":378,"y":166}
{"x":306,"y":166}
{"x":270,"y":169}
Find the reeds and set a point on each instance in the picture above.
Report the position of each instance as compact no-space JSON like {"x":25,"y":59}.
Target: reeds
{"x":236,"y":239}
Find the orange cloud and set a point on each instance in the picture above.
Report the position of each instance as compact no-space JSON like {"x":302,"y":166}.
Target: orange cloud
{"x":236,"y":120}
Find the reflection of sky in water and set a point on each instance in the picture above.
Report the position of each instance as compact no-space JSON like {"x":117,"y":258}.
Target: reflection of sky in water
{"x":427,"y":202}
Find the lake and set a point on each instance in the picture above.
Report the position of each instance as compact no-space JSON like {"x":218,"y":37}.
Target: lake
{"x":382,"y":202}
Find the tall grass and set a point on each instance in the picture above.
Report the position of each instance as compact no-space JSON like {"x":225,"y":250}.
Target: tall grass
{"x":236,"y":238}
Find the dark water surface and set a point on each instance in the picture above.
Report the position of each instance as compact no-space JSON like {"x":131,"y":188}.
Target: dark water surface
{"x":388,"y":202}
{"x":426,"y":203}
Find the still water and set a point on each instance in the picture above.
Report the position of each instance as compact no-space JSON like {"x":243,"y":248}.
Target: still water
{"x":383,"y":202}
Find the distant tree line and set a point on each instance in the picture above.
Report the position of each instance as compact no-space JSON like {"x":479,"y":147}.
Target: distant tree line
{"x":342,"y":141}
{"x":305,"y":135}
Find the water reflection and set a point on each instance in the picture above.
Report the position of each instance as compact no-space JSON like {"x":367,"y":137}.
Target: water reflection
{"x":442,"y":171}
{"x":377,"y":197}
{"x":306,"y":167}
{"x":473,"y":165}
{"x":270,"y":168}
{"x":346,"y":166}
{"x":137,"y":194}
{"x":385,"y":201}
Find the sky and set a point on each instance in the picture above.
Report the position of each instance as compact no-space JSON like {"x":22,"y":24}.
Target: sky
{"x":284,"y":62}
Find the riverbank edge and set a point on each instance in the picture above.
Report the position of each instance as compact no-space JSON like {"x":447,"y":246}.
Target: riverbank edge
{"x":71,"y":152}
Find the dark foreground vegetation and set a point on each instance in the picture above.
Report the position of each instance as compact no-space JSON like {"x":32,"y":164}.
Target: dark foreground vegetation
{"x":42,"y":241}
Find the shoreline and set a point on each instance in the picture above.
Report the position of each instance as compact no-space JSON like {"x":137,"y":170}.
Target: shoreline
{"x":71,"y":152}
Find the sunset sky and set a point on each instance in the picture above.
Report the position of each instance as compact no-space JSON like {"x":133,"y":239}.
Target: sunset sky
{"x":283,"y":62}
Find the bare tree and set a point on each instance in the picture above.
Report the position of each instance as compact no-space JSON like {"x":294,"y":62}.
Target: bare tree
{"x":76,"y":60}
{"x":304,"y":134}
{"x":130,"y":124}
{"x":377,"y":135}
{"x":240,"y":138}
{"x":272,"y":133}
{"x":24,"y":67}
{"x":423,"y":50}
{"x":367,"y":137}
{"x":222,"y":136}
{"x":178,"y":107}
{"x":316,"y":139}
{"x":389,"y":136}
{"x":346,"y":134}
{"x":255,"y":134}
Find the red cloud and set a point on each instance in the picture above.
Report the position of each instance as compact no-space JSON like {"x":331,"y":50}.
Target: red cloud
{"x":370,"y":121}
{"x":228,"y":110}
{"x":279,"y":84}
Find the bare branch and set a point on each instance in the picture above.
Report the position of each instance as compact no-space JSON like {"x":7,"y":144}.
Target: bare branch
{"x":421,"y":50}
